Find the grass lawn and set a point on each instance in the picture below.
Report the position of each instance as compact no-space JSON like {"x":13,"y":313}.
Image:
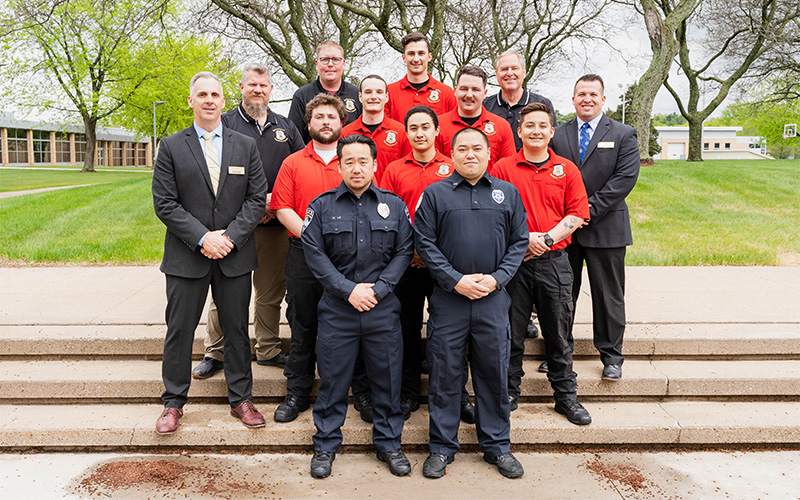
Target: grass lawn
{"x":717,"y":212}
{"x":20,"y":179}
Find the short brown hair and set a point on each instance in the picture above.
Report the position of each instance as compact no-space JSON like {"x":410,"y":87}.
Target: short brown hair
{"x":591,"y":77}
{"x":530,"y":108}
{"x":415,"y":36}
{"x":328,"y":43}
{"x":326,"y":100}
{"x":472,"y":71}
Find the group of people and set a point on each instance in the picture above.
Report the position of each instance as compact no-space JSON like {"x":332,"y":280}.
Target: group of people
{"x":365,"y":203}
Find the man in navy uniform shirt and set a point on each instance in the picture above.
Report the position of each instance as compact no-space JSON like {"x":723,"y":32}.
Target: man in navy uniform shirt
{"x":358,"y":242}
{"x":470,"y":230}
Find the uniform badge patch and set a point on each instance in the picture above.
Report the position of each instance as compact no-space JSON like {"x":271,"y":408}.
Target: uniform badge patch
{"x":434,"y":96}
{"x":408,"y":216}
{"x":383,"y":210}
{"x":558,"y":172}
{"x":391,"y":138}
{"x":309,"y":217}
{"x":498,"y":196}
{"x":444,"y":170}
{"x":350,"y":105}
{"x":280,"y":135}
{"x":489,"y":128}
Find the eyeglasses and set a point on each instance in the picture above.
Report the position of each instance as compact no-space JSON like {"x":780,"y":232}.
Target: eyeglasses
{"x":331,"y":60}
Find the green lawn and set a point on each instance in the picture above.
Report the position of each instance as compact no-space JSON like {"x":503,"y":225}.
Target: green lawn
{"x":20,"y":179}
{"x":712,"y":213}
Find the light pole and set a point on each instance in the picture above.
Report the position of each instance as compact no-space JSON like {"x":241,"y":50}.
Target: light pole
{"x":154,"y":129}
{"x":624,"y":89}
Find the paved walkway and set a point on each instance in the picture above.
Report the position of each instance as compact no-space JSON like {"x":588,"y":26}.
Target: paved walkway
{"x":12,"y":194}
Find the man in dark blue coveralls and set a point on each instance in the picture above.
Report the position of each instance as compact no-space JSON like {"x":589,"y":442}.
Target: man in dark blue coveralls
{"x":358,"y":242}
{"x":470,"y":231}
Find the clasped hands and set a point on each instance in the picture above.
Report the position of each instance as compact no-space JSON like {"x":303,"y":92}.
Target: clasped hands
{"x":476,"y":286}
{"x":216,"y":245}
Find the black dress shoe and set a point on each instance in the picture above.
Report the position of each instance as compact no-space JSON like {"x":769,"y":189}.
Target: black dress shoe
{"x":398,"y":463}
{"x":278,"y":360}
{"x":513,"y":402}
{"x":363,"y":405}
{"x":532,"y":332}
{"x":291,"y":407}
{"x":574,"y":411}
{"x":435,"y":465}
{"x":612,"y":372}
{"x":467,"y":412}
{"x":506,"y":464}
{"x":407,"y":406}
{"x":321,"y":463}
{"x":206,"y":368}
{"x":543,"y":368}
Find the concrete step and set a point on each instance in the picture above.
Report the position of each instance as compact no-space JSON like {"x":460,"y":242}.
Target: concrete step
{"x":140,"y":380}
{"x":684,"y":340}
{"x":205,"y":426}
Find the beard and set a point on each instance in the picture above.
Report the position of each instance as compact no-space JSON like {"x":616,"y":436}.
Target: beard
{"x":255,"y":110}
{"x":317,"y":136}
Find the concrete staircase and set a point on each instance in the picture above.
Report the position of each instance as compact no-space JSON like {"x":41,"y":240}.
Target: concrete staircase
{"x":80,"y":369}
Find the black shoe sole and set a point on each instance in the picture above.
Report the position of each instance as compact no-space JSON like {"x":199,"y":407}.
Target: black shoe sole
{"x":270,"y":363}
{"x":320,"y":476}
{"x":197,"y":376}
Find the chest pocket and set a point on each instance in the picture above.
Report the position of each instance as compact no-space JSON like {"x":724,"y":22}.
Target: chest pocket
{"x":339,"y":236}
{"x":383,"y":235}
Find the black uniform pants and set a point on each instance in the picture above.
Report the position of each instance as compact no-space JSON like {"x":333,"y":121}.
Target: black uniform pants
{"x":454,"y":321}
{"x":414,"y":286}
{"x":186,"y":298}
{"x":606,"y":270}
{"x":545,"y":282}
{"x":303,"y":293}
{"x":344,"y":333}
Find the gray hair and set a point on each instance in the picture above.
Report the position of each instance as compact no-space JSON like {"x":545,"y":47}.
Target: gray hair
{"x":203,"y":74}
{"x":257,"y":67}
{"x":509,"y":53}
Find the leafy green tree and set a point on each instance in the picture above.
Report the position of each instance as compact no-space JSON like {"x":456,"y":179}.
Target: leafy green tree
{"x":631,"y":117}
{"x":765,"y":119}
{"x":668,"y":120}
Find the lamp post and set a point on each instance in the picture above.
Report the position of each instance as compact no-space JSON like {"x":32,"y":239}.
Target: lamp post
{"x":155,"y":103}
{"x":624,"y":89}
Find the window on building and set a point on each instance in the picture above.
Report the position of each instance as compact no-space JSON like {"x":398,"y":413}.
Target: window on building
{"x":100,"y":147}
{"x":80,"y":148}
{"x":727,"y":145}
{"x":17,"y":145}
{"x":41,"y":146}
{"x":141,"y":150}
{"x":716,"y":145}
{"x":116,"y":154}
{"x":705,"y":145}
{"x":130,"y":154}
{"x":62,"y":147}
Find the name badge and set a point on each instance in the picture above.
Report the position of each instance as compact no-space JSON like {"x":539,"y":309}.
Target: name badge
{"x":240,"y":170}
{"x":605,"y":145}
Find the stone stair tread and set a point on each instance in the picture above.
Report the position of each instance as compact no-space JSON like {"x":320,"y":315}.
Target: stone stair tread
{"x":125,"y":378}
{"x":208,"y":425}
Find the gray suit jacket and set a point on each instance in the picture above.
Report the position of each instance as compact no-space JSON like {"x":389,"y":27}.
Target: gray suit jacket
{"x":185,"y":202}
{"x":609,"y":174}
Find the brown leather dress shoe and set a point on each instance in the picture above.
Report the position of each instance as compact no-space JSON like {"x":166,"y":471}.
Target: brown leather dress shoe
{"x":168,"y":423}
{"x":250,"y":417}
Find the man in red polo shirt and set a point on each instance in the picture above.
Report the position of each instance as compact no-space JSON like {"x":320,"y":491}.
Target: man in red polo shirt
{"x":470,"y":92}
{"x":388,"y":134}
{"x":418,"y":87}
{"x":555,"y":199}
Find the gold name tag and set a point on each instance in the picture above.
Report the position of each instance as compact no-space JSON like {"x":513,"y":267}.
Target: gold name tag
{"x":606,"y":145}
{"x":240,"y":170}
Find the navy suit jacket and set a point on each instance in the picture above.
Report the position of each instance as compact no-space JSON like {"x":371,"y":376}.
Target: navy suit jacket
{"x":184,"y":201}
{"x":609,"y":174}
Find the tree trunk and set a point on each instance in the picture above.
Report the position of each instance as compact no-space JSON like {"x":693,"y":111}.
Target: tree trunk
{"x":90,"y":126}
{"x":695,"y":141}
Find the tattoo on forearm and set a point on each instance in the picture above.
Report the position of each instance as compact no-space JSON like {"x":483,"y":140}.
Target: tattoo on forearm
{"x":569,"y":223}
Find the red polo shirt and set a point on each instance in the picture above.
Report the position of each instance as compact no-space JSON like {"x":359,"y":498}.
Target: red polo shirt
{"x":501,"y":139}
{"x":302,"y":177}
{"x":389,"y":137}
{"x":403,"y":96}
{"x":549,"y":193}
{"x":408,"y":178}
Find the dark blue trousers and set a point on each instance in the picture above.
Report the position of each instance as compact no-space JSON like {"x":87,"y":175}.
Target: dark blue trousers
{"x":343,"y":333}
{"x":455,"y":320}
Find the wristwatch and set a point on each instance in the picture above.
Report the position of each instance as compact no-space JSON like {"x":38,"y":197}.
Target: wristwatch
{"x":497,"y":285}
{"x":548,"y":240}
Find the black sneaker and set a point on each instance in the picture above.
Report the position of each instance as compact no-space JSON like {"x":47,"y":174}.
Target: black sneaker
{"x":532,"y":332}
{"x":278,"y":360}
{"x":407,"y":406}
{"x":398,"y":463}
{"x":363,"y":405}
{"x":291,"y":407}
{"x":321,"y":463}
{"x":513,"y":402}
{"x":435,"y":465}
{"x":543,"y":368}
{"x":506,"y":464}
{"x":206,"y":368}
{"x":467,"y":412}
{"x":574,"y":411}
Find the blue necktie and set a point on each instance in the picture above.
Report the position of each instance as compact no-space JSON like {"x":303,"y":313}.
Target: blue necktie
{"x":583,"y":143}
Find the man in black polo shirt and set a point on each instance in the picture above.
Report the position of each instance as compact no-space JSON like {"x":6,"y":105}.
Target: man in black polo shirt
{"x":330,"y":67}
{"x":276,"y":138}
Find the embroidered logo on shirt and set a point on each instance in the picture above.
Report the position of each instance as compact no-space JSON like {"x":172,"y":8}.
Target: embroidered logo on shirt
{"x":498,"y":196}
{"x":558,"y":172}
{"x":444,"y":170}
{"x":383,"y":210}
{"x":280,"y":135}
{"x":309,"y":217}
{"x":350,"y":105}
{"x":391,"y":138}
{"x":489,"y":128}
{"x":434,"y":96}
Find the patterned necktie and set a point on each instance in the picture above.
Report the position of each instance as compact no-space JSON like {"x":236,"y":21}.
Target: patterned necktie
{"x":583,"y":143}
{"x":212,"y":160}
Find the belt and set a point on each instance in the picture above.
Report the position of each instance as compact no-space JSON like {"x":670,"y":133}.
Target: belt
{"x":552,"y":254}
{"x":295,"y":242}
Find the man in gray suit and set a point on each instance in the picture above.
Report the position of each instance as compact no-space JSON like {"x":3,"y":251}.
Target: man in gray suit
{"x":209,"y":190}
{"x":607,"y":155}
